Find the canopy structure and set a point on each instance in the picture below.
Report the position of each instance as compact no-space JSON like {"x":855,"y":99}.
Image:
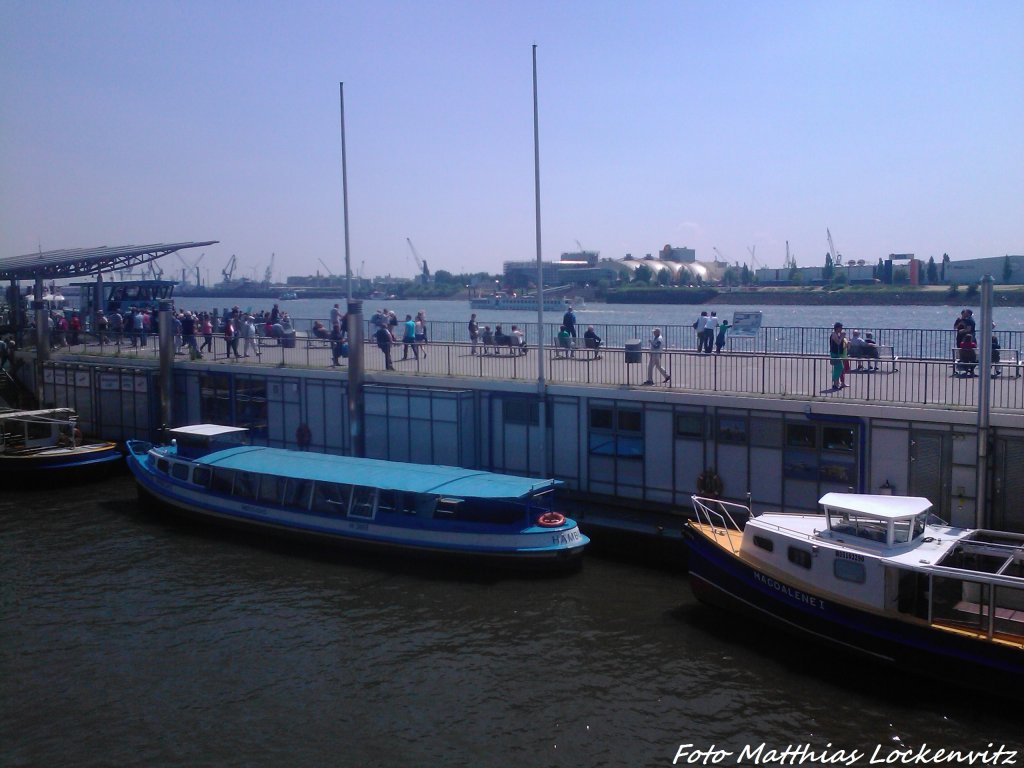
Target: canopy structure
{"x":80,"y":262}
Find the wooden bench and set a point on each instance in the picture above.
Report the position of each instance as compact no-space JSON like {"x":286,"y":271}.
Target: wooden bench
{"x":1009,"y":359}
{"x":886,"y":354}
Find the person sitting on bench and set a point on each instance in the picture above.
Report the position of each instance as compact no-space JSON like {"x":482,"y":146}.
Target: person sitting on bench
{"x":564,"y":342}
{"x":968,"y":357}
{"x":592,"y":341}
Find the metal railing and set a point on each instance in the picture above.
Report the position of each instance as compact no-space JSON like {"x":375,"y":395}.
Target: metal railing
{"x":917,"y":381}
{"x":922,"y":343}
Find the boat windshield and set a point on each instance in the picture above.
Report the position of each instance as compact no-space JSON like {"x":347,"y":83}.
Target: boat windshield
{"x":896,"y":530}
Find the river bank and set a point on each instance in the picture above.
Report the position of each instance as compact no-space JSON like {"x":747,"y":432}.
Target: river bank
{"x":1010,"y":296}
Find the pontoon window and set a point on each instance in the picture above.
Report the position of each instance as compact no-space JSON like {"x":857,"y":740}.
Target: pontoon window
{"x":222,"y":480}
{"x":362,"y":501}
{"x":247,"y":485}
{"x":297,"y":493}
{"x":271,"y":489}
{"x":201,"y":476}
{"x":763,"y":543}
{"x":163,"y":465}
{"x":179,"y":471}
{"x":331,"y":498}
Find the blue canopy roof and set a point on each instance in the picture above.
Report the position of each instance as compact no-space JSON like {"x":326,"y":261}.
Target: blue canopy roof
{"x":377,"y":473}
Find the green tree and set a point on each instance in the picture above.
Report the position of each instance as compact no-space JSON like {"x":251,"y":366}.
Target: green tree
{"x":730,"y":277}
{"x":1007,"y":269}
{"x":643,"y":274}
{"x":932,"y":271}
{"x":945,"y":261}
{"x":664,"y":277}
{"x":746,"y":276}
{"x":830,"y":268}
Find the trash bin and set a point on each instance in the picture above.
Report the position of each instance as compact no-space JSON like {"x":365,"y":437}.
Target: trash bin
{"x":634,"y":351}
{"x":288,"y":340}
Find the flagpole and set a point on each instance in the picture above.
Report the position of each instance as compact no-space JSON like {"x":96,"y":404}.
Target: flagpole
{"x":541,"y":395}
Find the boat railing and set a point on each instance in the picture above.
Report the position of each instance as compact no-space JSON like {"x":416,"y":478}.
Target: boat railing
{"x":721,"y":516}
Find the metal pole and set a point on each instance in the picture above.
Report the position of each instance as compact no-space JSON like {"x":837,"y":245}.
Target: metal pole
{"x":166,"y":340}
{"x":983,"y":337}
{"x":42,"y":318}
{"x":344,"y":195}
{"x":542,"y":409}
{"x":356,"y":405}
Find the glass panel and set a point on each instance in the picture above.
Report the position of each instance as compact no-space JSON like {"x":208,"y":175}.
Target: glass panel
{"x":331,"y":498}
{"x":837,"y":438}
{"x":602,"y":418}
{"x":201,"y":476}
{"x":222,"y":480}
{"x":631,"y":421}
{"x":179,"y":471}
{"x":690,"y":424}
{"x":271,"y":489}
{"x":849,"y":571}
{"x":246,"y":485}
{"x":801,"y":436}
{"x":297,"y":493}
{"x":362,"y":501}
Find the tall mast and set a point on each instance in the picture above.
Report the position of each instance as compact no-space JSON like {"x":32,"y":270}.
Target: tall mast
{"x":541,"y":395}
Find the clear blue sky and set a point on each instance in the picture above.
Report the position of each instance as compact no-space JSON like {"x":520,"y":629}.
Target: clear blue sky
{"x":899,"y":126}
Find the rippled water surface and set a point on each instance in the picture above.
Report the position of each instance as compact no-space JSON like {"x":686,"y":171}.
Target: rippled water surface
{"x":129,"y":638}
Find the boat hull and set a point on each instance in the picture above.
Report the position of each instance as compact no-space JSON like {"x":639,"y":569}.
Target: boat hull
{"x":62,"y":465}
{"x":720,"y":578}
{"x":558,"y":548}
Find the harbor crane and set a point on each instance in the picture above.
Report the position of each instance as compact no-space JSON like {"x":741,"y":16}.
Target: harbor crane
{"x":267,"y":276}
{"x":188,"y":267}
{"x":420,"y":263}
{"x":229,"y":270}
{"x":753,"y":258}
{"x":329,"y":273}
{"x":832,"y":249}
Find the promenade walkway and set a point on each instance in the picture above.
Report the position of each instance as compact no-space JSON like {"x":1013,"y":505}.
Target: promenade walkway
{"x":908,"y":382}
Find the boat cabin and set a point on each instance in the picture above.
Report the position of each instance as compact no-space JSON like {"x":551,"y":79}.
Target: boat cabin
{"x":888,"y":520}
{"x":32,"y":430}
{"x":198,"y":440}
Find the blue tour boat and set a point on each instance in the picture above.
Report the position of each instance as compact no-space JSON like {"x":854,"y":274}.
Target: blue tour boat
{"x":210,"y":471}
{"x":877,"y":575}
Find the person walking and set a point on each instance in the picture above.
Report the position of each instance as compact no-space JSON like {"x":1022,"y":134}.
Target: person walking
{"x":384,"y":340}
{"x":249,"y":336}
{"x":409,"y":338}
{"x":569,"y":321}
{"x":657,"y":345}
{"x":206,"y":324}
{"x":421,"y":333}
{"x":836,"y":341}
{"x":474,"y":333}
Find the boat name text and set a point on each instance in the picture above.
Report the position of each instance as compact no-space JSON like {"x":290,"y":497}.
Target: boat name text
{"x":788,"y":591}
{"x":800,"y":754}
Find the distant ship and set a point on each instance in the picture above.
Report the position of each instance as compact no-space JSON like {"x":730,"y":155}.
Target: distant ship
{"x":523,"y":303}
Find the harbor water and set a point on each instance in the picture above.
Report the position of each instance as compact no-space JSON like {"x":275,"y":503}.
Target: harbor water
{"x":132,"y":638}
